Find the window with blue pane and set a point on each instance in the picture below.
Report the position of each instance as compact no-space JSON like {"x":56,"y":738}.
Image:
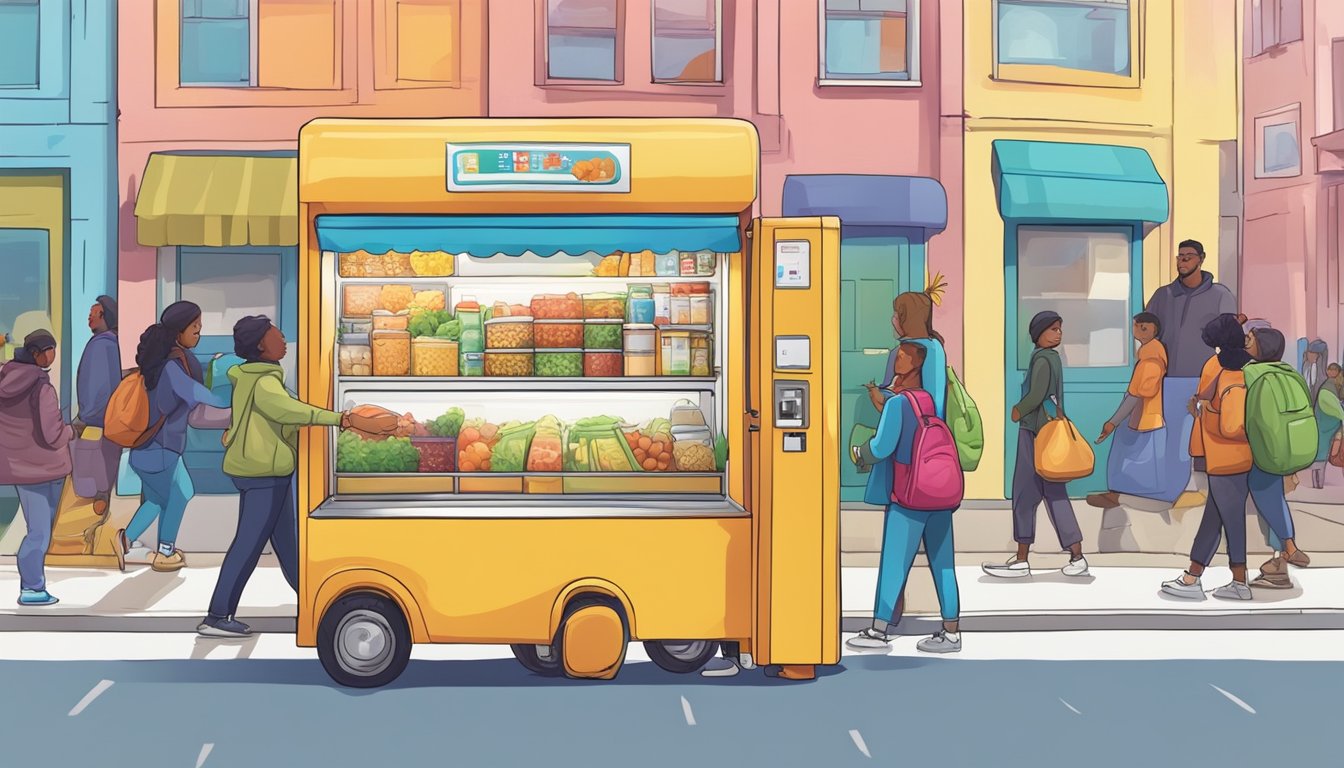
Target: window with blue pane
{"x":1091,"y":36}
{"x":581,"y":37}
{"x":27,"y":284}
{"x":870,"y":40}
{"x":216,"y":43}
{"x":18,"y":44}
{"x":1281,"y":148}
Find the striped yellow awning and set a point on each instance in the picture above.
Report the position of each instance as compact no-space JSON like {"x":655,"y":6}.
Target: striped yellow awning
{"x":218,"y":200}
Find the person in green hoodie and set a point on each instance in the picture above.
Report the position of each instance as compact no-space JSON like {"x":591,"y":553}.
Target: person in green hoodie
{"x":261,"y":455}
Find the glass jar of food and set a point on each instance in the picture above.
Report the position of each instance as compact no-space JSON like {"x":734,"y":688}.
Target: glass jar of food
{"x":602,"y":334}
{"x":509,"y":362}
{"x":360,"y":300}
{"x":693,"y":449}
{"x":641,"y":363}
{"x":434,"y":357}
{"x":355,"y":356}
{"x":384,"y":320}
{"x":558,"y":334}
{"x":509,"y":333}
{"x":391,"y":353}
{"x":604,"y":306}
{"x":437,"y":454}
{"x":603,"y":364}
{"x":560,"y":363}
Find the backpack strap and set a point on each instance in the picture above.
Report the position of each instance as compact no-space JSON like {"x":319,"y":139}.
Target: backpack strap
{"x":34,"y":396}
{"x":920,"y":401}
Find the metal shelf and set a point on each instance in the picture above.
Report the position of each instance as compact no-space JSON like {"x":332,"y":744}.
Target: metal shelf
{"x":579,"y":280}
{"x":534,"y":384}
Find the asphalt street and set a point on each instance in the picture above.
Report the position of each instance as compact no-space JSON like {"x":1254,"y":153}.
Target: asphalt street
{"x":885,"y":710}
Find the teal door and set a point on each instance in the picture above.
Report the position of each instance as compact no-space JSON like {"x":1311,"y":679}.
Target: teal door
{"x":874,"y":269}
{"x":1092,"y":276}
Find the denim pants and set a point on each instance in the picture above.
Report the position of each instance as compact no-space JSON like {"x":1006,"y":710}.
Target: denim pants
{"x":265,"y":513}
{"x":167,"y":488}
{"x":1276,"y":520}
{"x":901,"y":535}
{"x":1225,"y":510}
{"x":1030,"y":489}
{"x":39,"y":502}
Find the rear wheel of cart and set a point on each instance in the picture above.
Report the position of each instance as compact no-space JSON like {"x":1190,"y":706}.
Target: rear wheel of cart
{"x":681,"y":656}
{"x":364,"y":640}
{"x":538,"y":659}
{"x":592,"y":638}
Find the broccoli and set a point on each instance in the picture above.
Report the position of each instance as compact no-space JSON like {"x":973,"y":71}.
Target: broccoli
{"x":447,"y":425}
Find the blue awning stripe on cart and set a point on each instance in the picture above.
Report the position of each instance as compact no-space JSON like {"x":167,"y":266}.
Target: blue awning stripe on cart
{"x":1050,"y":180}
{"x":544,"y":235}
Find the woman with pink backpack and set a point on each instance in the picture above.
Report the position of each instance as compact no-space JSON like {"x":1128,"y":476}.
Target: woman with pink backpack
{"x":915,"y":449}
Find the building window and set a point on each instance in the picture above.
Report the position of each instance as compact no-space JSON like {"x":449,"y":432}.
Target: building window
{"x":1072,"y":42}
{"x":869,"y":42}
{"x":26,"y":288}
{"x":687,"y":41}
{"x":1274,"y":23}
{"x":18,"y":44}
{"x":583,"y":40}
{"x":417,"y":43}
{"x":1083,"y":273}
{"x":260,"y":43}
{"x":1278,"y":150}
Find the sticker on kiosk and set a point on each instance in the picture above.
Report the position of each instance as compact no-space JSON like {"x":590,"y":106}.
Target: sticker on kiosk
{"x":793,"y":267}
{"x":538,"y":167}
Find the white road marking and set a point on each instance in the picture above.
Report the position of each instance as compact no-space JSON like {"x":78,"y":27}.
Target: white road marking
{"x":1070,"y":706}
{"x":90,"y":696}
{"x":857,"y":738}
{"x":1234,"y":699}
{"x":205,"y":753}
{"x":686,"y":710}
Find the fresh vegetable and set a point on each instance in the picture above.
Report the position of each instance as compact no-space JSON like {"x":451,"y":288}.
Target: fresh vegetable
{"x":426,"y":322}
{"x":561,"y":363}
{"x":357,"y":455}
{"x":510,"y":453}
{"x":720,"y":452}
{"x":447,"y":425}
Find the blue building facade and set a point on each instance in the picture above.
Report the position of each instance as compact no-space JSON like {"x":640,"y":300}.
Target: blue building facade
{"x":57,"y":172}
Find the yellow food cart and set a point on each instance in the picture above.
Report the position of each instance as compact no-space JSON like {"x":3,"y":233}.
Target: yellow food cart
{"x":619,"y":396}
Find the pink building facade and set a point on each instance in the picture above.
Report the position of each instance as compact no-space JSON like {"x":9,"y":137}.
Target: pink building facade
{"x":1293,"y":169}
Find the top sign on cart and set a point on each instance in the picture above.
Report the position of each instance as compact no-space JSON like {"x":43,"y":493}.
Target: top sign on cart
{"x":539,"y":167}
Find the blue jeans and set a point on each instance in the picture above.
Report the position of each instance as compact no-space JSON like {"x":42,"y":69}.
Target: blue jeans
{"x":39,"y":502}
{"x":900,"y":541}
{"x":1276,"y":520}
{"x":167,"y":488}
{"x":265,"y":513}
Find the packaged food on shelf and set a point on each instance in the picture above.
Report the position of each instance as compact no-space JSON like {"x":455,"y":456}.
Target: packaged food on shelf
{"x":395,"y":297}
{"x":640,"y":337}
{"x":640,"y":307}
{"x":383,"y":320}
{"x":472,"y":333}
{"x":680,"y":309}
{"x":702,"y":309}
{"x":391,"y":353}
{"x":652,"y":446}
{"x":435,"y":299}
{"x":559,"y":362}
{"x":702,"y":354}
{"x":687,"y":264}
{"x":508,"y":362}
{"x":596,"y":444}
{"x":437,"y":454}
{"x":685,"y":413}
{"x":558,"y":334}
{"x":704,"y":263}
{"x":355,"y":357}
{"x":432,"y":263}
{"x":509,"y":333}
{"x":609,"y":266}
{"x":641,"y":364}
{"x":693,"y":449}
{"x":548,"y":446}
{"x":502,"y":309}
{"x":361,"y":264}
{"x":431,"y":356}
{"x":602,"y":334}
{"x":355,"y":325}
{"x":676,"y":353}
{"x":359,"y":300}
{"x":602,"y":306}
{"x":358,"y":455}
{"x":471,"y":363}
{"x":510,"y":451}
{"x":475,"y":441}
{"x":667,"y":264}
{"x":554,"y":306}
{"x":603,"y":363}
{"x":690,"y":288}
{"x":662,"y":304}
{"x":648,"y":264}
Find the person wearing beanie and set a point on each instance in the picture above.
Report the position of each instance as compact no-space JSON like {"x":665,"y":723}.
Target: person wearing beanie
{"x":1044,"y":382}
{"x":34,"y":455}
{"x":97,"y":458}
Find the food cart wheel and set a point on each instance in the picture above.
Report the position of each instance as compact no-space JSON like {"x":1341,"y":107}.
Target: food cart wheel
{"x":592,"y":638}
{"x":363,"y":640}
{"x":531,"y":657}
{"x":681,"y":656}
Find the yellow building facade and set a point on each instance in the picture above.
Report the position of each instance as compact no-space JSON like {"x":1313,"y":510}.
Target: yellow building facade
{"x":1094,"y":135}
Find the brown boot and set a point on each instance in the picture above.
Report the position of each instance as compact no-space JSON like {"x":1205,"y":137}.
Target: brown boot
{"x":1299,"y":559}
{"x":1107,"y":500}
{"x":1273,"y":575}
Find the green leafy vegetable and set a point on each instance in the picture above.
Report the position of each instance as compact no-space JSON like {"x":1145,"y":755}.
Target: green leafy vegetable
{"x":450,"y":330}
{"x":428,"y":321}
{"x":356,"y":455}
{"x":447,"y":425}
{"x":720,"y":452}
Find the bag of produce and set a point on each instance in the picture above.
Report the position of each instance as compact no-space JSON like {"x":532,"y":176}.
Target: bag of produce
{"x":474,"y":442}
{"x":596,"y":444}
{"x":510,"y":453}
{"x":438,"y":450}
{"x":548,"y":446}
{"x":651,"y":446}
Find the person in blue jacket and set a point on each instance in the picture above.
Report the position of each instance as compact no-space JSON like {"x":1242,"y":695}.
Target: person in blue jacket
{"x":904,"y":529}
{"x":98,"y":376}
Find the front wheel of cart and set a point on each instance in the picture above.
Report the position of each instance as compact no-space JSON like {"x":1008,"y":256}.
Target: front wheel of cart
{"x":681,"y":656}
{"x":592,"y":638}
{"x":538,"y":659}
{"x":364,"y":640}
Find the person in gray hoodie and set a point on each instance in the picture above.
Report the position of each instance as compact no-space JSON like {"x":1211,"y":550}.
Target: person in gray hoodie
{"x":1184,"y":307}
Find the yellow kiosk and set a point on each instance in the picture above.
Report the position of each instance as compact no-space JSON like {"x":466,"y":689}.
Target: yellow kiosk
{"x":619,"y":396}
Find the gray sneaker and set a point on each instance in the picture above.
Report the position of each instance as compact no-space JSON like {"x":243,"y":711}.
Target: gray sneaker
{"x":1013,"y":569}
{"x":226,"y":627}
{"x":1178,"y":588}
{"x":720,"y":667}
{"x":1233,"y":590}
{"x":870,"y":641}
{"x":941,"y":642}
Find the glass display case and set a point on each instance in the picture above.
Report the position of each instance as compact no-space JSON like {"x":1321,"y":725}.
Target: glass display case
{"x":596,"y":375}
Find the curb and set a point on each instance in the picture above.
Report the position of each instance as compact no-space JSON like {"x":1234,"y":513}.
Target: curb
{"x":32,"y":622}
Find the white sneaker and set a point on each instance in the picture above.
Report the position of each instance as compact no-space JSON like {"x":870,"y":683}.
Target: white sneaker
{"x":1178,"y":588}
{"x":941,"y":642}
{"x":720,"y":667}
{"x":869,"y":640}
{"x":1013,"y":569}
{"x":1075,"y":567}
{"x":1234,"y":590}
{"x":140,"y":554}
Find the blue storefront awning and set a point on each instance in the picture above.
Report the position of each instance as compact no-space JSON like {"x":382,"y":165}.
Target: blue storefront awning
{"x":898,"y":202}
{"x":544,"y":235}
{"x":1068,"y":181}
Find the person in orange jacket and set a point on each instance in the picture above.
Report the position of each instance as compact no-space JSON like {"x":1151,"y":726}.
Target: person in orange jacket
{"x":1137,"y":463}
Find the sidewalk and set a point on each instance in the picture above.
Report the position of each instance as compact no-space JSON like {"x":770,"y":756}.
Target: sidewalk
{"x":1121,"y":594}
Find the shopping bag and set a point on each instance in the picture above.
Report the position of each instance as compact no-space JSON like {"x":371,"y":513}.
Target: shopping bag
{"x":859,"y":437}
{"x":1337,"y":452}
{"x":1062,"y":454}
